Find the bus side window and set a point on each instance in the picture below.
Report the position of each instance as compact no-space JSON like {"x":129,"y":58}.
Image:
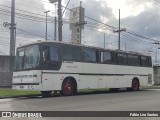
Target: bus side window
{"x":143,"y":61}
{"x":133,"y":60}
{"x":106,"y":57}
{"x":53,"y":54}
{"x":122,"y":59}
{"x":149,"y":62}
{"x":87,"y":55}
{"x":67,"y":52}
{"x":76,"y":53}
{"x":50,"y":54}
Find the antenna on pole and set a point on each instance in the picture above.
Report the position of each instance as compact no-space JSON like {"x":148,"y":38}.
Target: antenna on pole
{"x":104,"y":40}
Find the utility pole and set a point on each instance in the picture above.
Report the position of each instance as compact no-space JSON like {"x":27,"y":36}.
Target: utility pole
{"x":119,"y":31}
{"x":12,"y":36}
{"x":104,"y":40}
{"x":55,"y":26}
{"x":12,"y":30}
{"x":80,"y":17}
{"x":59,"y":21}
{"x":59,"y":18}
{"x":46,"y":23}
{"x":12,"y":27}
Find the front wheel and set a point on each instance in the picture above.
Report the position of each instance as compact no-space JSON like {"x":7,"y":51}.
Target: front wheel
{"x":135,"y":85}
{"x":67,"y":88}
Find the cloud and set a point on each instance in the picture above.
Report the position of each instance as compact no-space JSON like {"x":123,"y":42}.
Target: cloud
{"x":139,"y":16}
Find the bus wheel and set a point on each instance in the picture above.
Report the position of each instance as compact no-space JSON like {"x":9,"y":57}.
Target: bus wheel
{"x":135,"y":85}
{"x":46,"y":93}
{"x":67,"y":88}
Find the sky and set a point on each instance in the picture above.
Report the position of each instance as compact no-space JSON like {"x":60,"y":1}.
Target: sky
{"x":137,"y":16}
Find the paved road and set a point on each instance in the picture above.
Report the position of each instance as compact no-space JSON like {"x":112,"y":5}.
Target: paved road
{"x":144,"y":100}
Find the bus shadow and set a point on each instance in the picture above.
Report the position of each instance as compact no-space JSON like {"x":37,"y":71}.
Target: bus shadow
{"x":78,"y":94}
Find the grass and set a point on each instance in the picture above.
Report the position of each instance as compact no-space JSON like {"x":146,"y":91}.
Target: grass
{"x":15,"y":93}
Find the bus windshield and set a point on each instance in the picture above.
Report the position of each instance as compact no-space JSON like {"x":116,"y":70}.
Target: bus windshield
{"x":27,"y":57}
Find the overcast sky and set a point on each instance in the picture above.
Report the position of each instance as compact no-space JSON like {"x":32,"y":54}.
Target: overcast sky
{"x":139,"y":16}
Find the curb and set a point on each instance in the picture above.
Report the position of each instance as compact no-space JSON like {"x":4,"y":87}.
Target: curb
{"x":30,"y":96}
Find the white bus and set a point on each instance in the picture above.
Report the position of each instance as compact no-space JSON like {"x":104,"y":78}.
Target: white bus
{"x":55,"y":66}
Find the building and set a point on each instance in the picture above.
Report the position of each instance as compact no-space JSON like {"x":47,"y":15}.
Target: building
{"x":5,"y":72}
{"x":76,"y":24}
{"x":156,"y":71}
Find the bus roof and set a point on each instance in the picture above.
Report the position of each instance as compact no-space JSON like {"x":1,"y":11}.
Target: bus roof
{"x":114,"y":50}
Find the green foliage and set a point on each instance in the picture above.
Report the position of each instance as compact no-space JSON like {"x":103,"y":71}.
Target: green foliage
{"x":14,"y":93}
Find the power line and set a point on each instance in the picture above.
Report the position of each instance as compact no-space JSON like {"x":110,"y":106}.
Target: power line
{"x":133,"y":33}
{"x":65,"y":7}
{"x":42,"y":20}
{"x":20,"y":10}
{"x":101,"y":24}
{"x":30,"y":33}
{"x":28,"y":6}
{"x":29,"y":17}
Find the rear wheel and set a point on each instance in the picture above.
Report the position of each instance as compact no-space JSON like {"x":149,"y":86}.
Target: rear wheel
{"x":46,"y":93}
{"x":67,"y":88}
{"x":135,"y":85}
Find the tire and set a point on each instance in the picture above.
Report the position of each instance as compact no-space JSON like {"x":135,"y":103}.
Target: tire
{"x":46,"y":93}
{"x":135,"y":85}
{"x":67,"y":88}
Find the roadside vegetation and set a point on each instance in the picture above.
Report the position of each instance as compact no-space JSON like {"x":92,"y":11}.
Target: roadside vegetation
{"x":16,"y":93}
{"x":19,"y":93}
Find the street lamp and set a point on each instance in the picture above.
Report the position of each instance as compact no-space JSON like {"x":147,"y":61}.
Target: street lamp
{"x":46,"y":24}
